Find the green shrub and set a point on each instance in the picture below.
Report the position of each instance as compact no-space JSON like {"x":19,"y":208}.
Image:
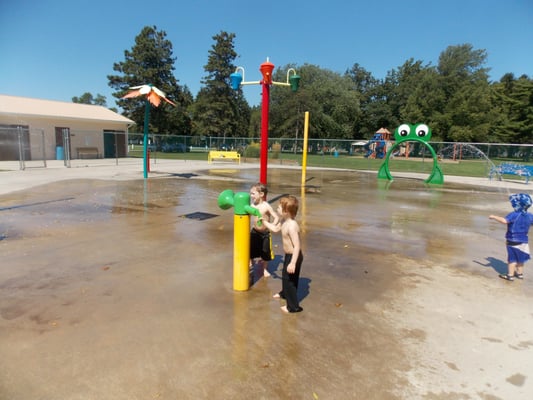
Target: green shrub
{"x":253,"y":150}
{"x":276,"y":149}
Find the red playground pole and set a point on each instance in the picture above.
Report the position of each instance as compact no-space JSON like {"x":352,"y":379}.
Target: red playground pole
{"x":266,"y":70}
{"x":147,"y":169}
{"x":264,"y":133}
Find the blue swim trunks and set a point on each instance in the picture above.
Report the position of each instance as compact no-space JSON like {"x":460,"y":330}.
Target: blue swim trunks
{"x":517,"y":252}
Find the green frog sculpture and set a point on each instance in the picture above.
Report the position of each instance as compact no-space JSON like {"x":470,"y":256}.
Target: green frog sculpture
{"x":413,"y":133}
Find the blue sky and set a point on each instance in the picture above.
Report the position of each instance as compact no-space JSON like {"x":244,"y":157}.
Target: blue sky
{"x":55,"y":49}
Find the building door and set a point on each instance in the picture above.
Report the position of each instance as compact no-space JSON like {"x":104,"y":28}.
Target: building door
{"x":62,"y":139}
{"x":114,"y":144}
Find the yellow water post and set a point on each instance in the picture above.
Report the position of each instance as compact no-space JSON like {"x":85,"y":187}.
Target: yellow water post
{"x":304,"y":152}
{"x":241,"y":234}
{"x":241,"y":252}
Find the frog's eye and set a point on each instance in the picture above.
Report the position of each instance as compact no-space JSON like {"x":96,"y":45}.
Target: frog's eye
{"x":403,"y":130}
{"x":422,"y":130}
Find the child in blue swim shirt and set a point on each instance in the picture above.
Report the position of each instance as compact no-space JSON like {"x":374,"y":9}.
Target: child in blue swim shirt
{"x":518,"y":223}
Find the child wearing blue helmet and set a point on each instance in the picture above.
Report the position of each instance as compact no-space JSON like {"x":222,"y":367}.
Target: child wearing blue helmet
{"x":518,"y":223}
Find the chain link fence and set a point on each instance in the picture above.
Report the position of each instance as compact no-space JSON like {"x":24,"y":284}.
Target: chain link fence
{"x":32,"y":148}
{"x":27,"y":146}
{"x":338,"y":147}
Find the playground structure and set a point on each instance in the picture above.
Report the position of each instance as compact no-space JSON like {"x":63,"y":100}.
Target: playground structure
{"x":379,"y":144}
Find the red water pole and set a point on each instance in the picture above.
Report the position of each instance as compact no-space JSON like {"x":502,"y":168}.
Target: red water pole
{"x":264,"y":133}
{"x":147,"y":161}
{"x":266,"y":70}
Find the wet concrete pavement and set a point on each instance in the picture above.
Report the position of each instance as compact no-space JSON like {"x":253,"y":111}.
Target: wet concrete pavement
{"x":108,"y":292}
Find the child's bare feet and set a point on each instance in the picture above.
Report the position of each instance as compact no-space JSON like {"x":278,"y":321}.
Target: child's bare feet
{"x":264,"y":265}
{"x":286,"y":310}
{"x":276,"y":296}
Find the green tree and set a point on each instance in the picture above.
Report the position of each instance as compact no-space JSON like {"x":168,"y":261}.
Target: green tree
{"x":379,"y":112}
{"x":254,"y":128}
{"x":420,"y":96}
{"x":150,"y":61}
{"x":367,"y":88}
{"x":88,"y":98}
{"x":513,"y":108}
{"x":409,"y":94}
{"x":329,"y":97}
{"x":219,"y":110}
{"x":467,"y":96}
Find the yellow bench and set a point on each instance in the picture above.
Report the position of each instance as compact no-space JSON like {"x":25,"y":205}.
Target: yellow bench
{"x":223,"y":155}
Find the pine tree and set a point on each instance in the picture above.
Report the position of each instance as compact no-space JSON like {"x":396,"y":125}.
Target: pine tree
{"x":513,"y":106}
{"x":219,"y":110}
{"x":150,"y":61}
{"x":464,"y":82}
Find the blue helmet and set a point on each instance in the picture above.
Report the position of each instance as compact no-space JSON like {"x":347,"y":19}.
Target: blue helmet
{"x":520,"y":202}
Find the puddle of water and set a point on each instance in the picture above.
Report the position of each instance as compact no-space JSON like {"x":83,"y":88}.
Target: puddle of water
{"x":117,"y":262}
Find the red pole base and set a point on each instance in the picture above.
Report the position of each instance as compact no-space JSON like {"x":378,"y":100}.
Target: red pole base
{"x":148,"y":161}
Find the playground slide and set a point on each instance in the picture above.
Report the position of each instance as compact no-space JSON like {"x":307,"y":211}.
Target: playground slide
{"x":375,"y":148}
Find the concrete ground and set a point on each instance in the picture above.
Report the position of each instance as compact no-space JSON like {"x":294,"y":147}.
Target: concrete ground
{"x":108,"y":290}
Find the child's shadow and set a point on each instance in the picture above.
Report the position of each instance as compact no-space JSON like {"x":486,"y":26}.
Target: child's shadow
{"x":304,"y":286}
{"x":497,"y":265}
{"x":276,"y":266}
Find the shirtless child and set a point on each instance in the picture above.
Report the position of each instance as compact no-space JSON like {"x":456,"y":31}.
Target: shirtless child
{"x":292,"y":263}
{"x":260,"y":239}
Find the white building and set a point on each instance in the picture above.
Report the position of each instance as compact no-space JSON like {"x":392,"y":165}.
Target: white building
{"x":37,"y":129}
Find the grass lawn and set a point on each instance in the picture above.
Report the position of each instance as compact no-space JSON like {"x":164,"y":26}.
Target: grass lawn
{"x":474,"y":168}
{"x":464,"y":168}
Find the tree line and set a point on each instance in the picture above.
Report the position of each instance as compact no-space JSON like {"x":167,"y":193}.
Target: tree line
{"x":455,"y":97}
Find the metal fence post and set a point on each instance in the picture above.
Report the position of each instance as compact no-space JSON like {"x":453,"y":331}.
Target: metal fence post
{"x":22,"y":165}
{"x":66,"y":147}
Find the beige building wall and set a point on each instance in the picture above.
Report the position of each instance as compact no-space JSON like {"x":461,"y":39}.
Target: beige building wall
{"x":82,"y":134}
{"x":38,"y":123}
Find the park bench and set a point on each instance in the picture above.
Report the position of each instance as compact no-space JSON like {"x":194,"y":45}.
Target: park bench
{"x":223,"y":155}
{"x":512,"y":169}
{"x":87,"y":152}
{"x":198,"y":149}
